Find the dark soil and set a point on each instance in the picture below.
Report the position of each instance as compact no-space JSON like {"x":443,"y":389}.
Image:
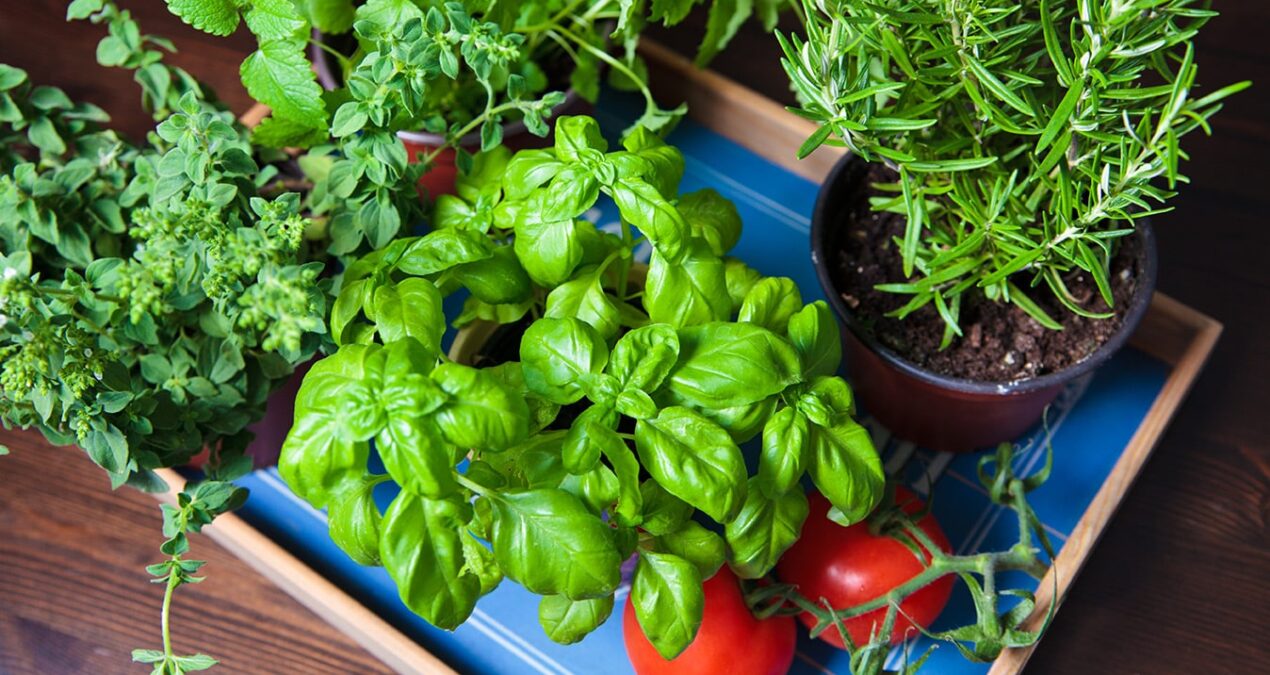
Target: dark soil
{"x":1000,"y":342}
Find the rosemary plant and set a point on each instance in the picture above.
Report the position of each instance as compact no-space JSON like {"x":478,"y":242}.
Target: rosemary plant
{"x":1026,"y":137}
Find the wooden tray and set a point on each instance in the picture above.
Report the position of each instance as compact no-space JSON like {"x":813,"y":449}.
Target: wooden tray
{"x":1176,"y":335}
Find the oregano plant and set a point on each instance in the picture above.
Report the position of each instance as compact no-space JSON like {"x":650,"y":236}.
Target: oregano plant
{"x":617,"y":415}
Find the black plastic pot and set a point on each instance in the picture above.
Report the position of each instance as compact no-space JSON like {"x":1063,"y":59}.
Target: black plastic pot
{"x":933,"y":410}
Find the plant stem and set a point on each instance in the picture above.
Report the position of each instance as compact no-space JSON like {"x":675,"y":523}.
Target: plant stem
{"x":453,"y":139}
{"x":469,"y":483}
{"x":174,"y":580}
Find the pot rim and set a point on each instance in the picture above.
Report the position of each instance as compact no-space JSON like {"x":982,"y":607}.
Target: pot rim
{"x":326,"y":78}
{"x":1138,"y":306}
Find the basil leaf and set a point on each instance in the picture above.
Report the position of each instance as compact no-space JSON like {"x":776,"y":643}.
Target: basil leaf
{"x":441,"y":250}
{"x":480,"y":412}
{"x":846,"y":469}
{"x":697,"y":545}
{"x":485,"y":178}
{"x":549,"y":251}
{"x":498,"y":279}
{"x":693,"y":459}
{"x":354,"y":522}
{"x":668,"y":600}
{"x":411,"y":308}
{"x":765,"y":529}
{"x":568,"y":621}
{"x":337,"y":411}
{"x":643,"y":357}
{"x":407,"y":391}
{"x":828,"y":401}
{"x":740,"y":279}
{"x":590,"y":432}
{"x":559,"y":356}
{"x":663,"y":512}
{"x":666,"y":161}
{"x":417,"y":457}
{"x":688,"y":291}
{"x":570,"y":194}
{"x":528,"y":170}
{"x":814,"y":332}
{"x":550,"y":543}
{"x":353,"y":296}
{"x":643,"y":206}
{"x":742,"y":422}
{"x":480,"y":561}
{"x":770,"y":303}
{"x":598,"y":488}
{"x":786,"y":445}
{"x":712,"y":218}
{"x":722,"y":365}
{"x":630,"y":500}
{"x":423,"y":553}
{"x":584,"y":298}
{"x":577,"y":133}
{"x":541,"y":412}
{"x":634,"y":403}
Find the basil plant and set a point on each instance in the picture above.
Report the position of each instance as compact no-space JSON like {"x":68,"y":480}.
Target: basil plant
{"x":617,"y":433}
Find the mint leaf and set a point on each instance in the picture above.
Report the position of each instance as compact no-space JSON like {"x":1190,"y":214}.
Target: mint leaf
{"x":218,"y":17}
{"x":278,"y":132}
{"x":329,"y":16}
{"x":274,"y":20}
{"x":278,"y":75}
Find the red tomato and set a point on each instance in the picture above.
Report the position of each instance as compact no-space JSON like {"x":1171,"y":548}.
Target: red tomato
{"x":848,"y":566}
{"x":730,"y":640}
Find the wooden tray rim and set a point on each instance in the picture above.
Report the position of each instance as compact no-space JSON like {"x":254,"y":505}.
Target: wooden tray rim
{"x":1172,"y":332}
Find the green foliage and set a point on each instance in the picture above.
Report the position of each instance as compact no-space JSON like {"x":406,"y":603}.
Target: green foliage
{"x":150,"y":299}
{"x":1026,"y":138}
{"x":560,"y":497}
{"x":194,"y":508}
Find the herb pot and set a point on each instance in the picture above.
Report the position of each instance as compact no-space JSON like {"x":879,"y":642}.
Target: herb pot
{"x":440,"y":179}
{"x":933,"y":410}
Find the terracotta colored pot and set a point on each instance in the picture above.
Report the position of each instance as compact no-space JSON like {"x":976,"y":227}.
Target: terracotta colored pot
{"x":440,"y":180}
{"x":936,"y":411}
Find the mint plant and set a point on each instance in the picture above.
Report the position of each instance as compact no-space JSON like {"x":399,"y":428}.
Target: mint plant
{"x":1026,"y":138}
{"x":621,"y":419}
{"x":465,"y":66}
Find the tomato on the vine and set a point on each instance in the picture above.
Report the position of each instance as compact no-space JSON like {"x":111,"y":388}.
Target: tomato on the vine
{"x":730,"y":640}
{"x":849,"y":565}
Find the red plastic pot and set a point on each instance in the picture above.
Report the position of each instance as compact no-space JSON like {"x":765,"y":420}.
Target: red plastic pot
{"x":936,"y":411}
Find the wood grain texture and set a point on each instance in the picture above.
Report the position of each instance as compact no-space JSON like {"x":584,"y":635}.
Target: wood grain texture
{"x":315,"y":592}
{"x":75,"y":597}
{"x":1180,"y":581}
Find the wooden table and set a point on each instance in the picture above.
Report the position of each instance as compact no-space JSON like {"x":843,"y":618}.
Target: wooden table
{"x":1180,"y":582}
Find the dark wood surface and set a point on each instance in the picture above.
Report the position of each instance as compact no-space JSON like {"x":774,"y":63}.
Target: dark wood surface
{"x":1179,"y":584}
